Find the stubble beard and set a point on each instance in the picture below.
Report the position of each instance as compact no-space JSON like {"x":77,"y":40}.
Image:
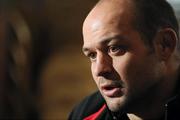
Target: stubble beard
{"x":125,"y":103}
{"x":117,"y":104}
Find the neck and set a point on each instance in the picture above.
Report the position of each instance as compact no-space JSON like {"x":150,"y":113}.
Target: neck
{"x":149,"y":112}
{"x":135,"y":117}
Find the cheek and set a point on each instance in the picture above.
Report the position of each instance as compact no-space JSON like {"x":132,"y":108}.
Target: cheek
{"x":135,"y":72}
{"x":123,"y":66}
{"x":132,"y":70}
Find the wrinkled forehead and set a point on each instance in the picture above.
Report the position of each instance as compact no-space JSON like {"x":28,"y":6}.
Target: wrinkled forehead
{"x":109,"y":12}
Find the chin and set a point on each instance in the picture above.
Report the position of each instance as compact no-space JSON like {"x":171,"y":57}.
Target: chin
{"x":116,"y":104}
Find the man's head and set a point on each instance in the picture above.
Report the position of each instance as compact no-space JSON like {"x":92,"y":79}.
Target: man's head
{"x":131,"y":56}
{"x":153,"y":15}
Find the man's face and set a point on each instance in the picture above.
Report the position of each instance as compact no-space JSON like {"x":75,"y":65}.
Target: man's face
{"x":123,"y":67}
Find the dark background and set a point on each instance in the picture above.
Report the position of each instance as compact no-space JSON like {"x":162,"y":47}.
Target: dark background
{"x":47,"y":73}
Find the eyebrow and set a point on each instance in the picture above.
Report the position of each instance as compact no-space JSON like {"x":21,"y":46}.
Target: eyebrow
{"x":106,"y":41}
{"x":85,"y":49}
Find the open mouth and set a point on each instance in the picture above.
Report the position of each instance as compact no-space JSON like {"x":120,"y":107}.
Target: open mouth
{"x":112,"y":90}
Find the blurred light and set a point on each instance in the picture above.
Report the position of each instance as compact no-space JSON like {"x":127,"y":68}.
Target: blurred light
{"x":175,"y":4}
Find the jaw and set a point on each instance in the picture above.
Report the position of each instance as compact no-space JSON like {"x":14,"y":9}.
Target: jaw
{"x":115,"y":103}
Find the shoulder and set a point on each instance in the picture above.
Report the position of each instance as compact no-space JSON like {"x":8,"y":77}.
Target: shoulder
{"x":88,"y":106}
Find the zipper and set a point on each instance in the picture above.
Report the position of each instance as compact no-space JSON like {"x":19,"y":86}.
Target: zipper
{"x":166,"y":111}
{"x":166,"y":106}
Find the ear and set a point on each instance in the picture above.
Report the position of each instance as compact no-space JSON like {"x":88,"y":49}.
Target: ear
{"x":165,"y":43}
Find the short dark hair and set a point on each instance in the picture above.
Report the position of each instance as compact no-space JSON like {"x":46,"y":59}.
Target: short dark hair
{"x":152,"y":15}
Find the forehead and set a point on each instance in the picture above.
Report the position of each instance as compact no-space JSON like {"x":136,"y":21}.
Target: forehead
{"x":108,"y":17}
{"x":110,"y":11}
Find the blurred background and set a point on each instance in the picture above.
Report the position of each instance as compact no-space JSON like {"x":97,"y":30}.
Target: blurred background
{"x":43,"y":73}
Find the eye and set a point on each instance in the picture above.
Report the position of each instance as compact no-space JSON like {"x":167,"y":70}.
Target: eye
{"x":92,"y":56}
{"x":117,"y":50}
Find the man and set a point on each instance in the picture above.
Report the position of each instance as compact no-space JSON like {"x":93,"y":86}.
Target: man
{"x":134,"y":49}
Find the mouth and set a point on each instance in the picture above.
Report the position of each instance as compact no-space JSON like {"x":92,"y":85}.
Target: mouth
{"x":112,"y":90}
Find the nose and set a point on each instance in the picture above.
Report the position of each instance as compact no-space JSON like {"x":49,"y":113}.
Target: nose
{"x":103,"y":66}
